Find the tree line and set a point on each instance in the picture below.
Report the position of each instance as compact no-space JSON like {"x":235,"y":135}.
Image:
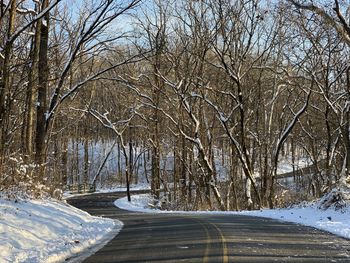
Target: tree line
{"x":212,"y":84}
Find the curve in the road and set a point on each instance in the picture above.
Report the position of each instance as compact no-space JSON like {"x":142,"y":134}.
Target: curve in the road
{"x":209,"y":238}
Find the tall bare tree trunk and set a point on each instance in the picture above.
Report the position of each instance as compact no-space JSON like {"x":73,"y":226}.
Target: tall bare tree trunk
{"x":5,"y":77}
{"x":32,"y":95}
{"x":43,"y":75}
{"x":155,"y":182}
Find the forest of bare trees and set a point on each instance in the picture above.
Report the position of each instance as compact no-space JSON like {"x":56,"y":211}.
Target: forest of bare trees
{"x":220,"y":90}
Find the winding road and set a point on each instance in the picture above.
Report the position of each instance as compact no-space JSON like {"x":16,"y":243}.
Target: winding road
{"x":208,"y":238}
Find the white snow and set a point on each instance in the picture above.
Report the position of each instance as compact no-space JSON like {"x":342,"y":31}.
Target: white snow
{"x":285,"y":165}
{"x":331,"y":220}
{"x":139,"y":203}
{"x":49,"y":231}
{"x":133,"y":187}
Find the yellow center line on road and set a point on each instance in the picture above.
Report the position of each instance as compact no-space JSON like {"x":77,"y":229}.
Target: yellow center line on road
{"x":225,"y":257}
{"x":208,"y":239}
{"x":224,"y":243}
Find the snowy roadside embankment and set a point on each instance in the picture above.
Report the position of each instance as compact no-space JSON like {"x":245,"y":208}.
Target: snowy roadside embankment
{"x":331,"y":220}
{"x":49,"y":231}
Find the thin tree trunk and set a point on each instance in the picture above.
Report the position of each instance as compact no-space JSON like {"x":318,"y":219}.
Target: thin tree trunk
{"x":131,"y":159}
{"x":234,"y":178}
{"x":98,"y":173}
{"x":64,"y":161}
{"x":145,"y":165}
{"x":328,"y":150}
{"x":183,"y":167}
{"x":176,"y":162}
{"x":86,"y":161}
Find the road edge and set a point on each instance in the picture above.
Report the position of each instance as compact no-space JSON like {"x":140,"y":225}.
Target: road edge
{"x":92,"y":249}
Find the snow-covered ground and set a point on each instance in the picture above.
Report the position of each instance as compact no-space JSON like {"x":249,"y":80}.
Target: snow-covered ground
{"x":50,"y":231}
{"x":133,"y":187}
{"x":285,"y":165}
{"x":331,"y":220}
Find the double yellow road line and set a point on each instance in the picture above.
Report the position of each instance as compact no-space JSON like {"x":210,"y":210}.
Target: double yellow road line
{"x":209,"y":241}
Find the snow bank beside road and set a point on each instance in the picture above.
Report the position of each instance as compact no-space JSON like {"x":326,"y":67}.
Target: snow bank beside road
{"x":139,"y":203}
{"x":331,"y":220}
{"x":49,"y":231}
{"x":336,"y":222}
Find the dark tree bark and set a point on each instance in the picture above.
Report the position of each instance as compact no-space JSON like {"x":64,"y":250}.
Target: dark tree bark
{"x":5,"y":76}
{"x":43,"y":76}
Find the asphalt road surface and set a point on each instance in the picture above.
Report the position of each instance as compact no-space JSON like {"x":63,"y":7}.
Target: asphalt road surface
{"x":209,"y":238}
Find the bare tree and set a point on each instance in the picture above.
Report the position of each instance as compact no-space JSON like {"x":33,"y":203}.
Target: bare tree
{"x":93,"y":23}
{"x":331,"y":74}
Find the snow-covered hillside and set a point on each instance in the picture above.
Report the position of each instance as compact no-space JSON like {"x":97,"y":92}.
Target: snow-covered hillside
{"x":49,"y":231}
